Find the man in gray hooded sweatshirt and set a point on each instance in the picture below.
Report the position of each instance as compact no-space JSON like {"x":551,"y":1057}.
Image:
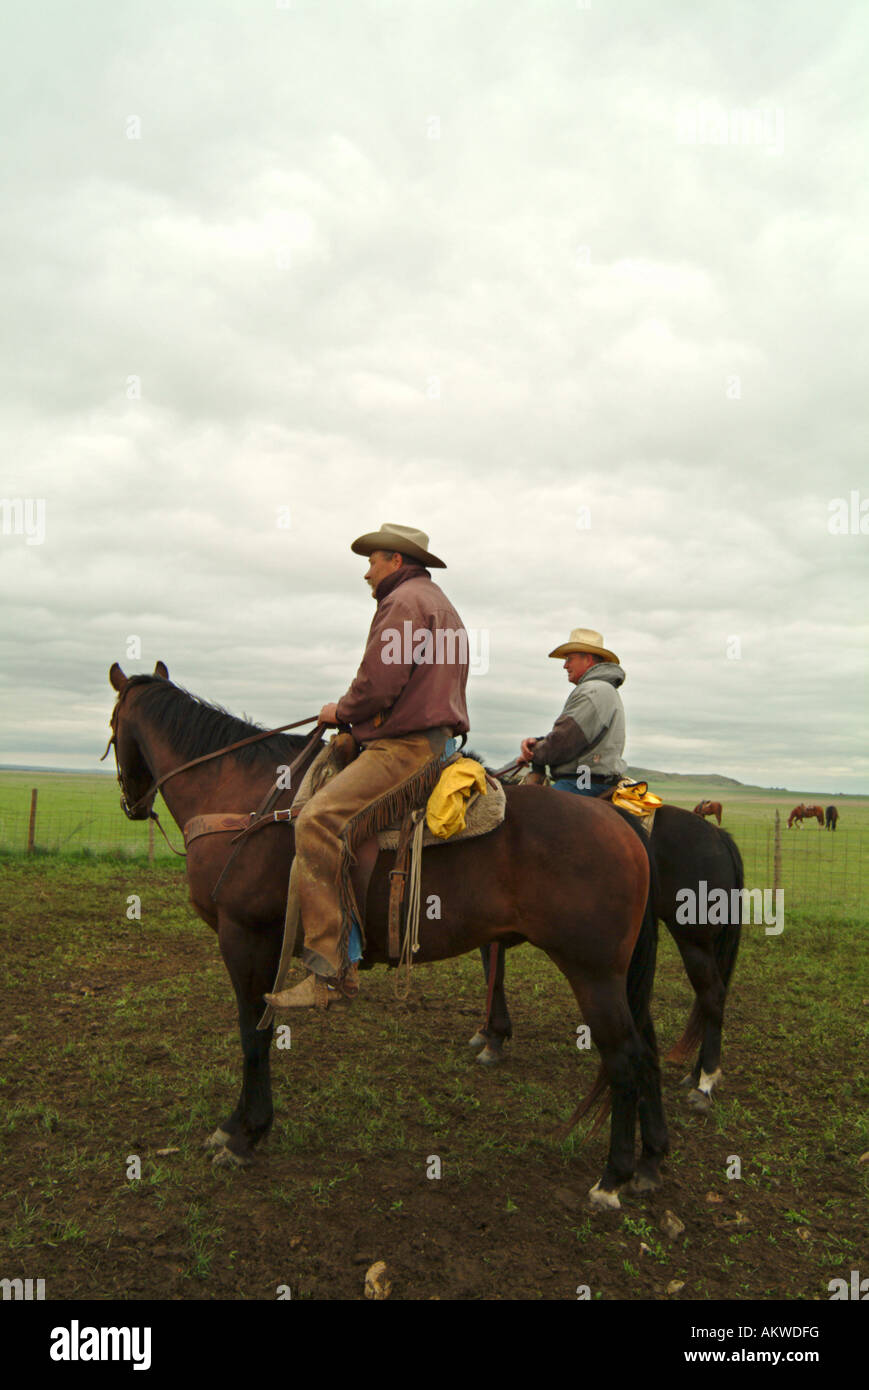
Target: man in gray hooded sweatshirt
{"x":584,"y":750}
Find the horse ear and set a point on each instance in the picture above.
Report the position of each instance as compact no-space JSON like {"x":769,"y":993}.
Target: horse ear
{"x":117,"y":678}
{"x":162,"y":671}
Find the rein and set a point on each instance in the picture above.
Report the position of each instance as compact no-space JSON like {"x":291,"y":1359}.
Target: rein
{"x":508,"y":767}
{"x":260,"y":816}
{"x":218,"y":753}
{"x":257,"y":817}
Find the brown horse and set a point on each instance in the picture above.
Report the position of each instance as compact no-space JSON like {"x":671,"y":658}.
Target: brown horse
{"x":708,"y":808}
{"x":571,"y":879}
{"x":801,"y":813}
{"x":686,"y":854}
{"x":832,"y":818}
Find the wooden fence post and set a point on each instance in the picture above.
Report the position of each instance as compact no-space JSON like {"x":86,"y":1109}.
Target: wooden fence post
{"x":776,"y":855}
{"x":32,"y":830}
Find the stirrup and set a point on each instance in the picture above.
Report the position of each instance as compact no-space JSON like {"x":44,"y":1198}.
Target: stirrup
{"x":317,"y":992}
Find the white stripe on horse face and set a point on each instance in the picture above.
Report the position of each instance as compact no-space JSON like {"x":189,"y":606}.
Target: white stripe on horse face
{"x":707,"y":1081}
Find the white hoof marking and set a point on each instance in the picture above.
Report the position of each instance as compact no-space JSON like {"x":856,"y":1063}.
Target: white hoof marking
{"x":604,"y":1201}
{"x":707,"y":1081}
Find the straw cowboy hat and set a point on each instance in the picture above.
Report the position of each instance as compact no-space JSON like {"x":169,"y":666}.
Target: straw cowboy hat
{"x":405,"y":539}
{"x":585,"y":639}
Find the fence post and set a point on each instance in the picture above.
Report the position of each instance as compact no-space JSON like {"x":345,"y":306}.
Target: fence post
{"x":32,"y":829}
{"x":776,"y":855}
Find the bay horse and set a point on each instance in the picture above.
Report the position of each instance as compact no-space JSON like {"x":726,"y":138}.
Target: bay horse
{"x":685,"y":853}
{"x":801,"y":813}
{"x":571,"y":879}
{"x":708,"y":808}
{"x":832,"y":818}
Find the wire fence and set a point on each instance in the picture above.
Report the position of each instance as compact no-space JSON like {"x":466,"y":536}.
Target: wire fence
{"x":59,"y":818}
{"x":812,"y":866}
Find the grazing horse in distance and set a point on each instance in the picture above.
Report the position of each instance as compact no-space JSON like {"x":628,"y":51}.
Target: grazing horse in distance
{"x":708,"y":808}
{"x":832,"y":818}
{"x":801,"y":813}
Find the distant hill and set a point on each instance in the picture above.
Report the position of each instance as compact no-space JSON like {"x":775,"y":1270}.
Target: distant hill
{"x":701,"y":783}
{"x":710,"y":779}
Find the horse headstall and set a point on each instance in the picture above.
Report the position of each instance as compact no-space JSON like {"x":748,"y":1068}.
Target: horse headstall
{"x":129,"y":809}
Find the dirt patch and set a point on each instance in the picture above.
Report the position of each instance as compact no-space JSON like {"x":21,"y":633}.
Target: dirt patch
{"x":118,"y":1039}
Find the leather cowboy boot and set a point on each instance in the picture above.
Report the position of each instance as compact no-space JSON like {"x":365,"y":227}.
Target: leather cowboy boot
{"x":316,"y":991}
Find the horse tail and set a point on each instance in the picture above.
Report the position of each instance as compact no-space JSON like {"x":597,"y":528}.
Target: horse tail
{"x":638,"y":987}
{"x":725,"y":949}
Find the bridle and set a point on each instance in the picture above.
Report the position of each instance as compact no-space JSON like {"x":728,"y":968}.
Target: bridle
{"x":127,"y":808}
{"x":130,"y":809}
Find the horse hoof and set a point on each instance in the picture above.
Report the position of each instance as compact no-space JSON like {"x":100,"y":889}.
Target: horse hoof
{"x":688,"y":1080}
{"x":490,"y":1056}
{"x":218,"y":1140}
{"x":645,"y":1182}
{"x":603,"y":1201}
{"x":478,"y":1041}
{"x":700,"y":1101}
{"x":225,"y":1158}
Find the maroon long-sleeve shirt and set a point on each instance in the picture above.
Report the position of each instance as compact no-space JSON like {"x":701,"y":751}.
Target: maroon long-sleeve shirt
{"x":414,"y":671}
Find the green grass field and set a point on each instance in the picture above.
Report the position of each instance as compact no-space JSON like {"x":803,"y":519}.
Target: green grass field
{"x":75,"y":812}
{"x":118,"y":1039}
{"x":80,"y":814}
{"x":820,"y":869}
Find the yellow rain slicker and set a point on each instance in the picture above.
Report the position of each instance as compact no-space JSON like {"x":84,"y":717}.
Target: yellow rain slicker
{"x":636,"y":797}
{"x":448,"y":803}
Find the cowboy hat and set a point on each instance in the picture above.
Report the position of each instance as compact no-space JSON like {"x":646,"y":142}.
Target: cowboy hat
{"x":404,"y":539}
{"x":585,"y":639}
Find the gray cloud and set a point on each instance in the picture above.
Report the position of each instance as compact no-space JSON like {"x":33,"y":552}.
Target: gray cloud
{"x":287,"y":293}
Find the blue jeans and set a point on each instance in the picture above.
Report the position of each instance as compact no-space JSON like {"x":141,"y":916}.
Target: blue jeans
{"x":568,"y":784}
{"x":354,"y":947}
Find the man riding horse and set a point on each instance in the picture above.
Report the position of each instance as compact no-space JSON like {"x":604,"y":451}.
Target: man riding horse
{"x":405,"y":704}
{"x":584,"y":749}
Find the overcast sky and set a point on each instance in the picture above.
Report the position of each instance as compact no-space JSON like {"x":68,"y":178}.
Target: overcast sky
{"x":581,"y":291}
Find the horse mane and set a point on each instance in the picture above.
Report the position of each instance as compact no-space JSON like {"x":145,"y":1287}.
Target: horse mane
{"x":193,"y":726}
{"x":477,"y":758}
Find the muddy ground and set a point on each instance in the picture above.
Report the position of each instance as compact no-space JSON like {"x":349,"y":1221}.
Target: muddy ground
{"x":118,"y":1040}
